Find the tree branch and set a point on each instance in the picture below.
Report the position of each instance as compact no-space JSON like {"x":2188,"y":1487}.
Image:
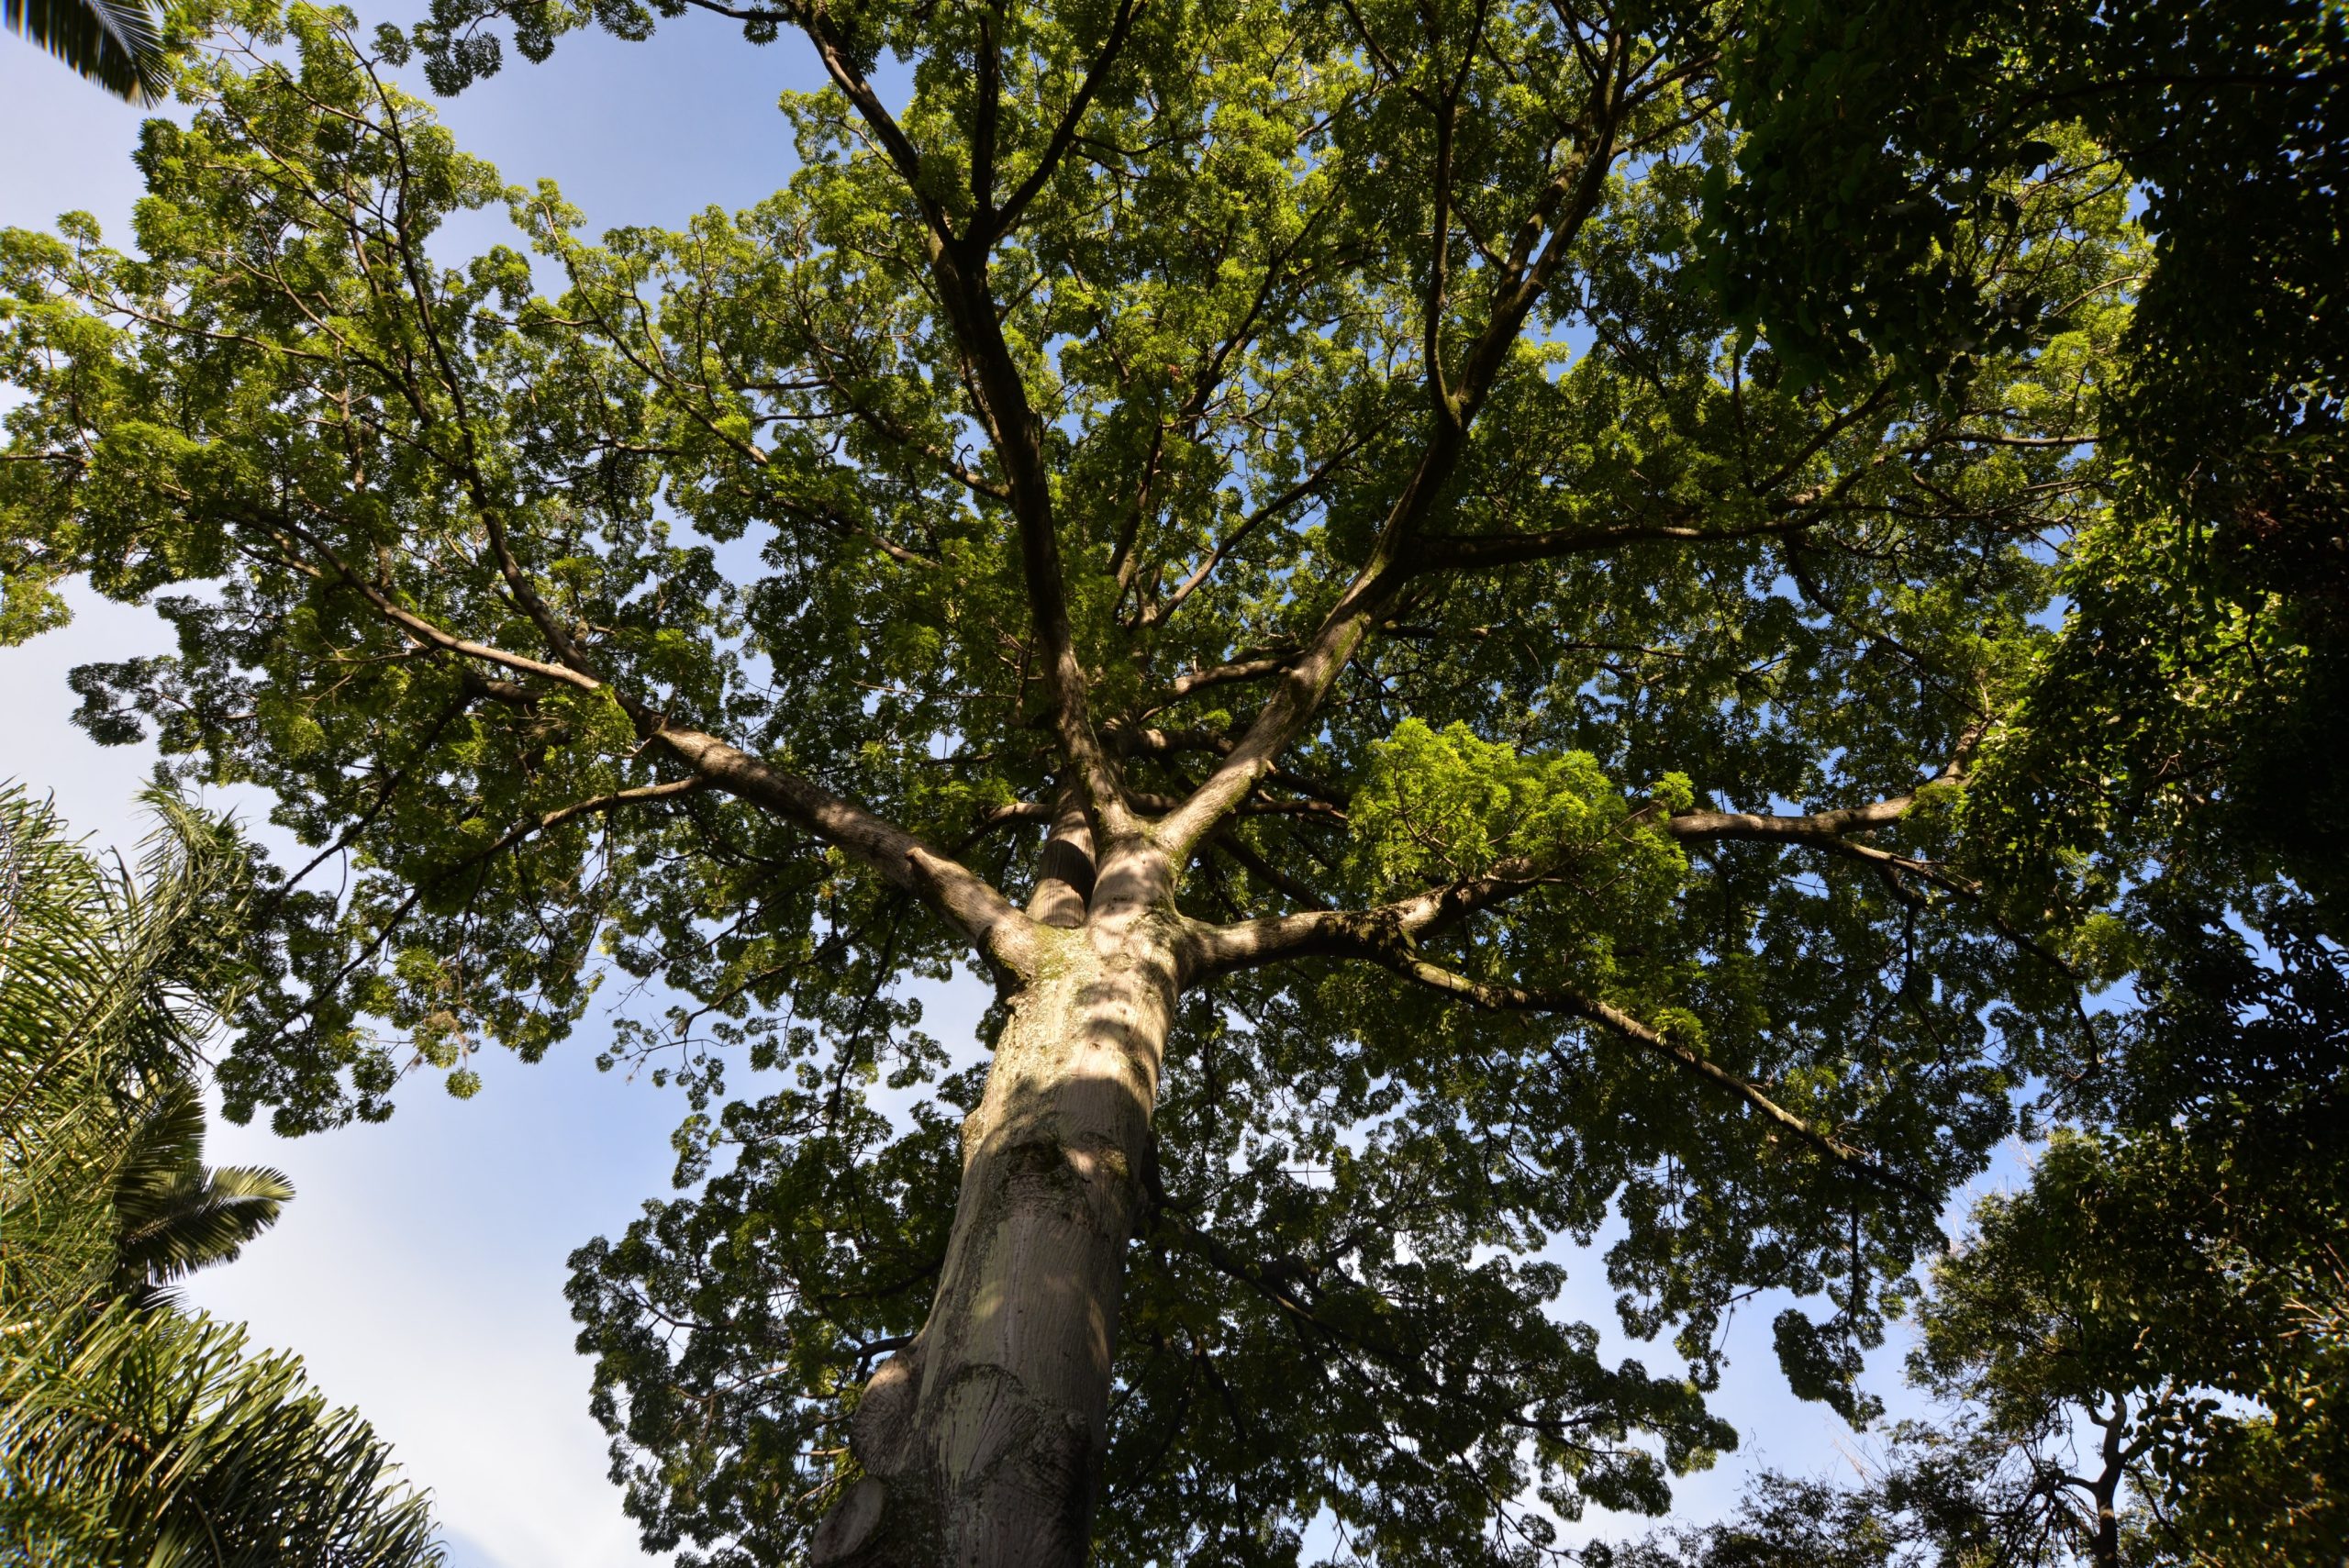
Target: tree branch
{"x":1826,"y":830}
{"x":1298,"y":492}
{"x":993,"y":226}
{"x":999,"y":931}
{"x":959,"y":267}
{"x":1474,"y":552}
{"x":1302,"y":686}
{"x":1213,"y":950}
{"x":1220,"y":675}
{"x":420,"y":630}
{"x":1569,"y":1003}
{"x":895,"y":143}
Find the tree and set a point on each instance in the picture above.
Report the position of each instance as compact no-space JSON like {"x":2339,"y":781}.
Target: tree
{"x":2175,"y":758}
{"x":2142,"y":1350}
{"x":2183,"y":724}
{"x":1245,"y":525}
{"x":100,"y":1023}
{"x":115,"y":43}
{"x":137,"y":1434}
{"x":1954,"y":1495}
{"x":155,"y":1438}
{"x":2180,"y":1277}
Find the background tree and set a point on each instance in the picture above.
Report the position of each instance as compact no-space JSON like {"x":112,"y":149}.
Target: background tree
{"x":2141,"y":1351}
{"x":2182,"y":726}
{"x":1245,"y":524}
{"x":137,"y":1434}
{"x":2174,"y":758}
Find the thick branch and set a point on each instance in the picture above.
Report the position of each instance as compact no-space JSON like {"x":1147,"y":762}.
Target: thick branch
{"x":420,"y":630}
{"x":1001,"y":932}
{"x":1251,"y":944}
{"x":1819,"y":828}
{"x":1472,"y":552}
{"x":1214,"y":951}
{"x":1220,"y":675}
{"x":1825,"y":830}
{"x":1387,"y":937}
{"x":958,"y":266}
{"x":899,"y":147}
{"x":1065,"y":869}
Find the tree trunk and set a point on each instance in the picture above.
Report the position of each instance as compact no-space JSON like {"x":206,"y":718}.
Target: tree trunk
{"x":982,"y":1441}
{"x":2104,"y":1548}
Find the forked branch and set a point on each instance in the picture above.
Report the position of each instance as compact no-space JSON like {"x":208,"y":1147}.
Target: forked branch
{"x":995,"y":224}
{"x":1564,"y":205}
{"x":1000,"y":932}
{"x":958,"y":266}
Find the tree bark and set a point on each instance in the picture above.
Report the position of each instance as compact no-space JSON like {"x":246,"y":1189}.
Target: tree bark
{"x":981,"y":1442}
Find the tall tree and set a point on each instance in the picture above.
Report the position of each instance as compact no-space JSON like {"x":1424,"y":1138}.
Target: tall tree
{"x":2176,"y":757}
{"x":2141,"y":1352}
{"x":2180,"y":1280}
{"x":1243,"y":523}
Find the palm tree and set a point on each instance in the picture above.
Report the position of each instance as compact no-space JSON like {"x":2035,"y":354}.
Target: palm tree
{"x":96,"y":1038}
{"x":118,"y":44}
{"x":132,"y":1432}
{"x":172,"y":1216}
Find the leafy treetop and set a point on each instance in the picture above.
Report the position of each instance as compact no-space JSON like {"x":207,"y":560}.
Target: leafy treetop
{"x":1303,"y":440}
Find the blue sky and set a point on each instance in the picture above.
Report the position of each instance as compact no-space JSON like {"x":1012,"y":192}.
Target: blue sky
{"x":419,"y":1273}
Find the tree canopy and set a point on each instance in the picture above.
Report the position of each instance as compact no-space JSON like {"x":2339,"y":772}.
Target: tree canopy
{"x":1487,"y":737}
{"x":2181,"y":730}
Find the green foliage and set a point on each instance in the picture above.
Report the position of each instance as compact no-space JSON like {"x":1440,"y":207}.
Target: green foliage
{"x":2181,"y":728}
{"x":2172,"y":767}
{"x":2192,"y":1260}
{"x":105,"y":988}
{"x":798,"y":1265}
{"x":1879,"y":134}
{"x":1447,"y":808}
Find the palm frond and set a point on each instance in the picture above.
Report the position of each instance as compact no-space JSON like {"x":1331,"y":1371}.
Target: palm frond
{"x":118,"y":44}
{"x":92,"y":1022}
{"x":154,"y":1438}
{"x":132,"y":1437}
{"x":196,"y":1219}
